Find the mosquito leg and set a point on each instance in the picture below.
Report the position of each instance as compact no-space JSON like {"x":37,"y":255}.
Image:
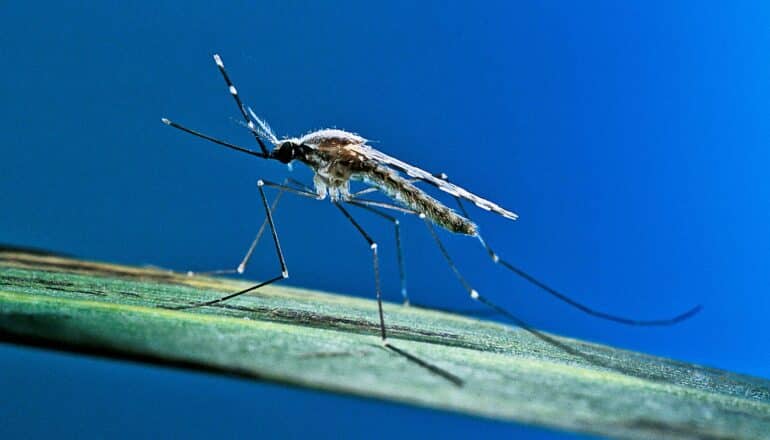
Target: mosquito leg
{"x":242,"y":266}
{"x":245,"y":261}
{"x":590,"y":311}
{"x":473,"y":293}
{"x":269,"y":216}
{"x":372,"y":206}
{"x":400,"y":252}
{"x":282,"y":188}
{"x":303,"y":191}
{"x":373,"y":247}
{"x":410,"y":357}
{"x":299,"y":185}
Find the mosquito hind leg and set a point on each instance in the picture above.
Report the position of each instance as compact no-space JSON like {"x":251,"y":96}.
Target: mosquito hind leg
{"x":473,"y":293}
{"x":562,"y":297}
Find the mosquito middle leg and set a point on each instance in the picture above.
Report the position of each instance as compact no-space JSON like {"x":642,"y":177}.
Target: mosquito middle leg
{"x":375,"y":259}
{"x":410,"y":357}
{"x":399,"y":248}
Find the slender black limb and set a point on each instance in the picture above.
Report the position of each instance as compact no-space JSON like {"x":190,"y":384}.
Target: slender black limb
{"x":474,"y":294}
{"x":526,"y":276}
{"x":242,"y":266}
{"x":399,"y":248}
{"x":543,"y":336}
{"x":410,"y":357}
{"x":623,"y":320}
{"x":244,"y":262}
{"x":230,"y":296}
{"x":373,"y":247}
{"x":466,"y":285}
{"x":301,"y":186}
{"x":430,"y":367}
{"x":300,"y":192}
{"x":241,"y":107}
{"x":284,"y":269}
{"x":282,"y":188}
{"x":213,"y":139}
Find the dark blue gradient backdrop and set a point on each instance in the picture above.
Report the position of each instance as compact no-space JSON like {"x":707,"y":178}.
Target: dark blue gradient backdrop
{"x":631,"y":137}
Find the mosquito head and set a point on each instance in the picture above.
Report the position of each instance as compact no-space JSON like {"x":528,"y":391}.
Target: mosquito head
{"x":288,"y":150}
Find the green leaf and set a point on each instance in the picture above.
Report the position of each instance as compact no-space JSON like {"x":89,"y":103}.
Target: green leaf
{"x":331,"y":342}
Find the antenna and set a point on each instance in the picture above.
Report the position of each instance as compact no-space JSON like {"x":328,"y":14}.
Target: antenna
{"x":214,"y":140}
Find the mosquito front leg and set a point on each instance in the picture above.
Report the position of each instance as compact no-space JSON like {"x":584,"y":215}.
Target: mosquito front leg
{"x":241,"y":268}
{"x":279,"y":251}
{"x":245,"y":260}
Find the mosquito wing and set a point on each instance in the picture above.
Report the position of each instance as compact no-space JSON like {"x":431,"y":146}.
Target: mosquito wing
{"x":425,"y":176}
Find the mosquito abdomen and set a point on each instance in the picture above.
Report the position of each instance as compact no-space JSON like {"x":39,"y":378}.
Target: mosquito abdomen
{"x":405,"y":192}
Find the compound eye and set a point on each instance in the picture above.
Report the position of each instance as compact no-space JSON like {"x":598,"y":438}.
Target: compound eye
{"x":285,"y":153}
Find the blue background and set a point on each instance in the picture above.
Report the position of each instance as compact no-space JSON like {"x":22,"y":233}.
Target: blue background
{"x":631,"y":137}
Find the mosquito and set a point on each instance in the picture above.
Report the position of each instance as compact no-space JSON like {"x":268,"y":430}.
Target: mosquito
{"x":338,"y":157}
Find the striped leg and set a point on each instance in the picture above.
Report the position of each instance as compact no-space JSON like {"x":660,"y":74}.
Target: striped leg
{"x":269,"y":216}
